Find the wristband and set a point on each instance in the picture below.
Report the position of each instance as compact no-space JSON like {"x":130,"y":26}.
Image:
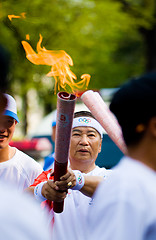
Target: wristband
{"x":79,"y":180}
{"x":37,"y":192}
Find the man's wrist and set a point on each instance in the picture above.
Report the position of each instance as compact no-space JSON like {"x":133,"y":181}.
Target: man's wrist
{"x":79,"y":180}
{"x":38,"y":192}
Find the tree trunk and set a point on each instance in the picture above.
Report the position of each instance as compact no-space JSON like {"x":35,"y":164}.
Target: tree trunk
{"x":150,"y":45}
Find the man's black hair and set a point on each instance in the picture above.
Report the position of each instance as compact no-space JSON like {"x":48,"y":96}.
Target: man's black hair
{"x":133,"y":104}
{"x":83,"y":113}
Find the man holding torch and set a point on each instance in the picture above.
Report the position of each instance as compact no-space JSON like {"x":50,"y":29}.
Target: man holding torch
{"x":83,"y":177}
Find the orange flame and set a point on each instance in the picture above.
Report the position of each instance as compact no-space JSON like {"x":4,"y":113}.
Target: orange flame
{"x":22,"y":15}
{"x":27,"y":37}
{"x":59,"y":62}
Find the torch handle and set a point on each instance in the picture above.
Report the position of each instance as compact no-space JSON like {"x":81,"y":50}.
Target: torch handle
{"x":60,"y":170}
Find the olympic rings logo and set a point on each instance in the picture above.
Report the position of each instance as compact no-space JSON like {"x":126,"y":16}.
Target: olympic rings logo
{"x":84,"y":120}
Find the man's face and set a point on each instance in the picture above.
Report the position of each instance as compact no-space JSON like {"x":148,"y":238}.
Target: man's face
{"x":7,"y":128}
{"x":85,"y":144}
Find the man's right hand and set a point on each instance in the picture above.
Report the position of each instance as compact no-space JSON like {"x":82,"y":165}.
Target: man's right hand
{"x":50,"y":193}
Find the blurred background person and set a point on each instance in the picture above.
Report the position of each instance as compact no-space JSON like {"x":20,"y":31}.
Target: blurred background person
{"x":21,"y":217}
{"x":125,"y":204}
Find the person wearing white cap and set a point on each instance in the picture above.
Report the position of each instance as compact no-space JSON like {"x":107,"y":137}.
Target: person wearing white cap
{"x":86,"y":139}
{"x":16,"y":167}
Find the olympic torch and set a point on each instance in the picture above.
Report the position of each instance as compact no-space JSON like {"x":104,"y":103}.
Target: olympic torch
{"x":105,"y":117}
{"x":64,"y":120}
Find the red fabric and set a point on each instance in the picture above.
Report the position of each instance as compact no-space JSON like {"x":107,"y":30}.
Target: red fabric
{"x":41,"y":178}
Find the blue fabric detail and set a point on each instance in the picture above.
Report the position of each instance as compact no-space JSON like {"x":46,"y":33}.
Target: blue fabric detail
{"x":53,"y":123}
{"x":48,"y":161}
{"x":11,"y":114}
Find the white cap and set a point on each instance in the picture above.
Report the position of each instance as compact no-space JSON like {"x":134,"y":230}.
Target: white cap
{"x":11,"y":109}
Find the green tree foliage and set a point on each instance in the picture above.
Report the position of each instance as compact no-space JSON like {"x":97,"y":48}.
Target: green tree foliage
{"x":107,"y":39}
{"x":98,"y":35}
{"x":143,"y":12}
